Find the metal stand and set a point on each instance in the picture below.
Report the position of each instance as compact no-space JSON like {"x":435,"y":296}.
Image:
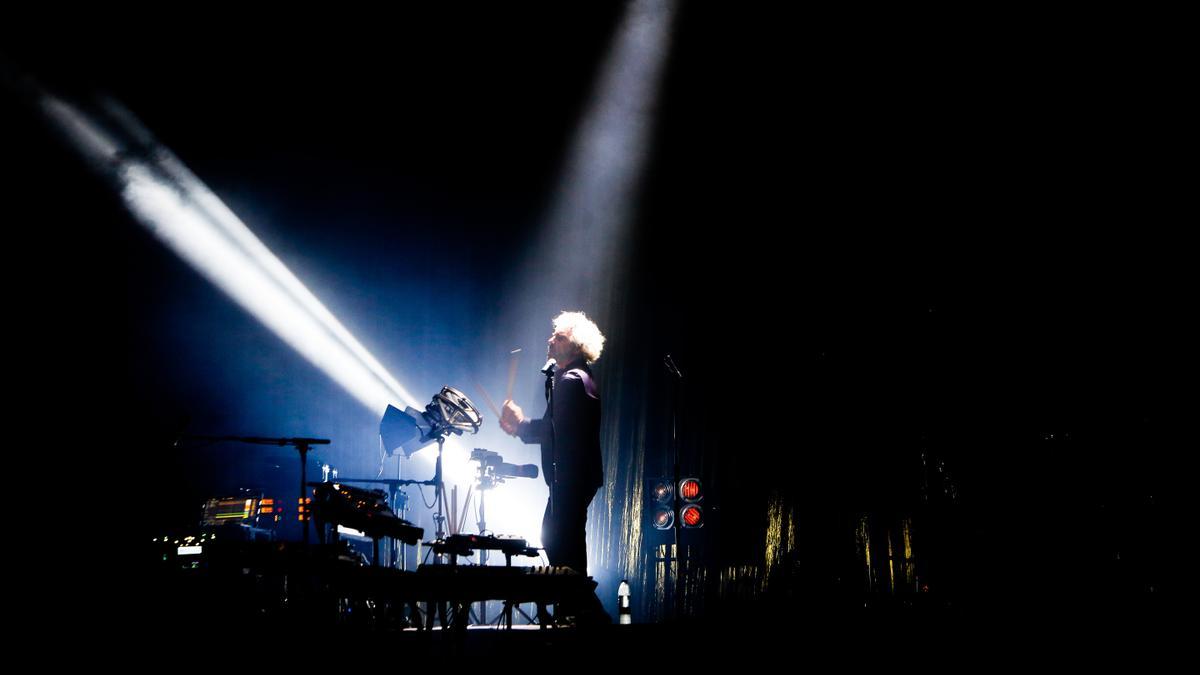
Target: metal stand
{"x":439,"y":520}
{"x":677,"y":580}
{"x":398,"y":499}
{"x":486,"y":483}
{"x":302,"y":448}
{"x":553,"y":451}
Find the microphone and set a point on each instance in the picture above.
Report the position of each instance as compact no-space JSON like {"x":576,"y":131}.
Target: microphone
{"x":507,"y":470}
{"x":548,"y":369}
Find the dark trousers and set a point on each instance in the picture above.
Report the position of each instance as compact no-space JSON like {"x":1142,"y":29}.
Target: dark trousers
{"x":564,"y":528}
{"x":565,"y":537}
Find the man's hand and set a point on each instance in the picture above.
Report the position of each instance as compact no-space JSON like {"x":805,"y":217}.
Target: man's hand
{"x":511,"y":416}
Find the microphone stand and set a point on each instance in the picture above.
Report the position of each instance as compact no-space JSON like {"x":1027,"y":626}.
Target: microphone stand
{"x":677,"y":382}
{"x":548,"y":371}
{"x":399,"y":499}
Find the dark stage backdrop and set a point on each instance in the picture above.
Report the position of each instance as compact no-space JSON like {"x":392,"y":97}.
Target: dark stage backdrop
{"x":925,"y":282}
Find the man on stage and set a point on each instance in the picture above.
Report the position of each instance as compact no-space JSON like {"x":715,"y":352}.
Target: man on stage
{"x":569,"y":434}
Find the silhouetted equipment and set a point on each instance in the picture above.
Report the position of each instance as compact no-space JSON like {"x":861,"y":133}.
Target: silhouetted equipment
{"x":246,"y":509}
{"x":450,"y":412}
{"x":257,"y":583}
{"x":460,"y":586}
{"x":493,"y":469}
{"x":467,"y":544}
{"x":302,"y":445}
{"x":252,"y":578}
{"x":363,"y":510}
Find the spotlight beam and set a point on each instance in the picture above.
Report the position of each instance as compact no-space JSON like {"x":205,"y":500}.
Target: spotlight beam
{"x":183,"y":213}
{"x":168,"y":214}
{"x":594,"y":203}
{"x":219,"y":214}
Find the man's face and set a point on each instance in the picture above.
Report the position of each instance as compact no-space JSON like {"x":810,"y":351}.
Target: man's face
{"x":560,"y":348}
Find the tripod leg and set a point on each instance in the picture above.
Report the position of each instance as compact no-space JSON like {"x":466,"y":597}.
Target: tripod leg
{"x":528,"y":619}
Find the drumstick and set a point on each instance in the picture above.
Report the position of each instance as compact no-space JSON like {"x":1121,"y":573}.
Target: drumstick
{"x":514,"y":355}
{"x":490,"y":402}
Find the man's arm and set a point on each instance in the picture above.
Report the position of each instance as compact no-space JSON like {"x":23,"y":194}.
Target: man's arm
{"x":514,"y":423}
{"x":534,"y":431}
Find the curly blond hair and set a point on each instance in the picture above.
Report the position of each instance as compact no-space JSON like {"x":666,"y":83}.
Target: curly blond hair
{"x":583,"y":333}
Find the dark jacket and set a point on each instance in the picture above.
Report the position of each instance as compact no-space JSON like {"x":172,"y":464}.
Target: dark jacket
{"x":573,"y":458}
